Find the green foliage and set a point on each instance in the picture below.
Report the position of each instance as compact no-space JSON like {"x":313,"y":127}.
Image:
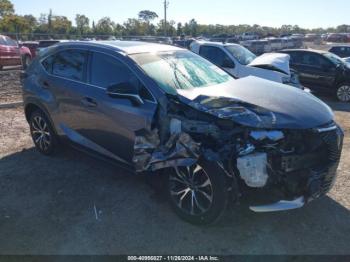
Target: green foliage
{"x":51,"y":25}
{"x":6,"y":8}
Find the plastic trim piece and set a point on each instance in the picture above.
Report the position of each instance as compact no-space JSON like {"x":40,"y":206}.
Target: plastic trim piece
{"x":280,"y":206}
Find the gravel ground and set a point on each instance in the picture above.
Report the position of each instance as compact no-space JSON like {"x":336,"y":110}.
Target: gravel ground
{"x":74,"y":204}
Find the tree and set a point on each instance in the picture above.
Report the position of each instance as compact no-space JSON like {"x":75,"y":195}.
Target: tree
{"x":104,"y":26}
{"x":193,"y":27}
{"x":82,"y":23}
{"x":6,"y":8}
{"x":147,"y":15}
{"x":61,"y":25}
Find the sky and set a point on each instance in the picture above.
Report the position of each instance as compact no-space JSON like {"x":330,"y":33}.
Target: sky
{"x":305,"y":13}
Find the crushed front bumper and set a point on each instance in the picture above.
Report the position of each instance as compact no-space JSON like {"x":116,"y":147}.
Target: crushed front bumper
{"x":314,"y":182}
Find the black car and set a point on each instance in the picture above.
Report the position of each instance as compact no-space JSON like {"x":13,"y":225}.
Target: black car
{"x":322,"y":71}
{"x":162,"y":110}
{"x":341,"y":50}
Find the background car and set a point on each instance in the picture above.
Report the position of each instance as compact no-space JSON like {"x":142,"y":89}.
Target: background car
{"x":341,"y":50}
{"x":32,"y":45}
{"x":11,"y":54}
{"x":239,"y":62}
{"x":322,"y":71}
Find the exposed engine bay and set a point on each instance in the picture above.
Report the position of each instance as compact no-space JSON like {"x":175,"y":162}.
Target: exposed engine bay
{"x":297,"y":162}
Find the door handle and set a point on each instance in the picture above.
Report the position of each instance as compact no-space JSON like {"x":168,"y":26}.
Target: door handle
{"x":46,"y":84}
{"x":89,"y":102}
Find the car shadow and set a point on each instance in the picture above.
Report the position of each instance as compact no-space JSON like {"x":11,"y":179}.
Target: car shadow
{"x":75,"y":204}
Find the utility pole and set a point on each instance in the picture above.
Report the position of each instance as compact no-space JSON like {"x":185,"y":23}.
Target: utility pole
{"x":166,"y":4}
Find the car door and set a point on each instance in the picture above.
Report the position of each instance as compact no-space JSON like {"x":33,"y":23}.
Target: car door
{"x":111,"y":122}
{"x":314,"y":70}
{"x":12,"y":52}
{"x":220,"y":58}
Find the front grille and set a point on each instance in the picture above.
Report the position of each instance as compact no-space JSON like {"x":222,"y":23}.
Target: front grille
{"x":323,"y":179}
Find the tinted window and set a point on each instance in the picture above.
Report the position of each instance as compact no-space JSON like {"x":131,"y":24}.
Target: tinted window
{"x":69,"y":64}
{"x":214,"y":55}
{"x":107,"y":70}
{"x":47,"y":64}
{"x":295,"y":57}
{"x":315,"y":60}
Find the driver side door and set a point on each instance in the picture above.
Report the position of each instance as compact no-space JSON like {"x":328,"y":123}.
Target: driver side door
{"x":109,"y":123}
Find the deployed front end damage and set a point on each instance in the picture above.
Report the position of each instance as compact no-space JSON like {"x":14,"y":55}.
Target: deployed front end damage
{"x":286,"y":167}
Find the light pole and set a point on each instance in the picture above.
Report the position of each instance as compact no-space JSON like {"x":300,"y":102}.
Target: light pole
{"x":166,"y":4}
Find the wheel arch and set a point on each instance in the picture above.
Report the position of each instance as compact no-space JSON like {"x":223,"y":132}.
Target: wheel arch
{"x":31,"y":107}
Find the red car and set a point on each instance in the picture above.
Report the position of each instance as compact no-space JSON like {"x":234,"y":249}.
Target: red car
{"x":32,"y":45}
{"x":13,"y":55}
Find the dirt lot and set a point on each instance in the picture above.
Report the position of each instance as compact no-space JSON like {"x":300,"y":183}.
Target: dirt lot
{"x":74,"y":204}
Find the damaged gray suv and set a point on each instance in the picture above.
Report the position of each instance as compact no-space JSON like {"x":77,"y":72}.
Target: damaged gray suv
{"x":161,"y":109}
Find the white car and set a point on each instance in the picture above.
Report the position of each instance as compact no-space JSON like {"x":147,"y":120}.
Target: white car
{"x":240,"y":62}
{"x":347,"y":60}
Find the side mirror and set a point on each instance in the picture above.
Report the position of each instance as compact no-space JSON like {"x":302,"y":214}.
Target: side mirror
{"x":227,"y":63}
{"x":125,"y":90}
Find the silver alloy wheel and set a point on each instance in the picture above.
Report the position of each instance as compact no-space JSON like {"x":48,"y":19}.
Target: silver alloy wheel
{"x":191,"y":189}
{"x":40,"y":132}
{"x":343,"y":93}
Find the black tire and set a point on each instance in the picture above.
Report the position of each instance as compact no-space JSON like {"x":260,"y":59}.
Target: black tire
{"x":26,"y":59}
{"x":199,"y":209}
{"x":343,"y":92}
{"x":43,"y":135}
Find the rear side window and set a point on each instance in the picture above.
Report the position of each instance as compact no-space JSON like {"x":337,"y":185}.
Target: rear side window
{"x":10,"y":42}
{"x":214,"y":55}
{"x":2,"y":41}
{"x":295,"y":58}
{"x":69,"y":64}
{"x":107,"y":70}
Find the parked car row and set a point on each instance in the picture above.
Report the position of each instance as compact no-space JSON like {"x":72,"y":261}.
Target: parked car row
{"x":272,"y":44}
{"x":163,"y":110}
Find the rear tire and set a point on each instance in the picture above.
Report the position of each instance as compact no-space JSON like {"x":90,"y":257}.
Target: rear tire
{"x":26,"y":61}
{"x":343,"y":92}
{"x":43,"y":135}
{"x":198,"y":194}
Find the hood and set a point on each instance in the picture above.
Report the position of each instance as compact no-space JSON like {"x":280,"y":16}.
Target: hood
{"x":273,"y":61}
{"x":259,"y":103}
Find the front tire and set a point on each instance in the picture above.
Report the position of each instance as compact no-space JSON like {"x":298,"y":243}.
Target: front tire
{"x":198,"y":194}
{"x":43,"y":135}
{"x":343,"y":92}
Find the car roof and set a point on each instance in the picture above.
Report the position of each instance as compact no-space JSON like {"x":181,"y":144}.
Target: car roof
{"x":127,"y":47}
{"x":305,"y":50}
{"x":217,"y":44}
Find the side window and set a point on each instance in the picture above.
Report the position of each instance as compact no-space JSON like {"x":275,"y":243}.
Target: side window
{"x":2,"y":41}
{"x":295,"y":58}
{"x":47,"y":64}
{"x":10,"y":42}
{"x":69,"y":64}
{"x":214,"y":55}
{"x":107,"y":70}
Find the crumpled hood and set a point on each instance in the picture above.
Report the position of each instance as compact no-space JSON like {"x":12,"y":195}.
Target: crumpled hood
{"x":273,"y":61}
{"x":259,"y":103}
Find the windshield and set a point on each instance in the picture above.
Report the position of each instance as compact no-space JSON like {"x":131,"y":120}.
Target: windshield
{"x":334,"y":58}
{"x":180,"y":70}
{"x":242,"y":54}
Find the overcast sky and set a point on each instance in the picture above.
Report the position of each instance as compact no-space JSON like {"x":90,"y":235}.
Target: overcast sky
{"x":305,"y":13}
